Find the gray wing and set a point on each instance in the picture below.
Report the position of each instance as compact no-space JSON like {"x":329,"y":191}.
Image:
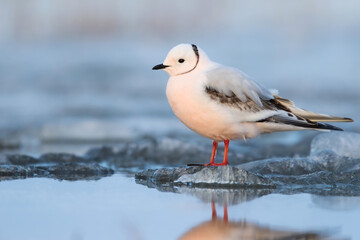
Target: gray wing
{"x":233,"y":100}
{"x":232,"y":87}
{"x":282,"y":114}
{"x":231,"y":81}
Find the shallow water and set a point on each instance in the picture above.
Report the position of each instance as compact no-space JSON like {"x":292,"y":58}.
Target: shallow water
{"x":117,"y":208}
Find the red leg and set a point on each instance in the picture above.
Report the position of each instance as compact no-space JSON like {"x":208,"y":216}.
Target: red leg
{"x":213,"y":153}
{"x":213,"y":216}
{"x":225,"y":161}
{"x":226,"y":218}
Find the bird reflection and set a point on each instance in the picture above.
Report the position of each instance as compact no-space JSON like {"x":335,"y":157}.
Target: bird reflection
{"x":222,"y":228}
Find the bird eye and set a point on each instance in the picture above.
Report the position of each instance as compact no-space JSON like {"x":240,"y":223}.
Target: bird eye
{"x":181,"y":60}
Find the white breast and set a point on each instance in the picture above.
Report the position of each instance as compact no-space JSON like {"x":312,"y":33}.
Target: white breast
{"x":190,"y":103}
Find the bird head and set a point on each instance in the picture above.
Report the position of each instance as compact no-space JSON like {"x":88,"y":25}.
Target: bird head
{"x":181,"y":59}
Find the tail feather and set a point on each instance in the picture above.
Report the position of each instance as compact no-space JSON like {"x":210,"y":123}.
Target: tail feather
{"x":316,"y":117}
{"x":301,"y":123}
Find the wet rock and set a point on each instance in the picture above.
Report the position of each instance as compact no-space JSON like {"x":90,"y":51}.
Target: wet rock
{"x":325,"y":165}
{"x":327,"y":168}
{"x":324,"y":161}
{"x":53,"y":165}
{"x":165,"y":175}
{"x":10,"y":170}
{"x":229,"y":195}
{"x":334,"y":161}
{"x":327,"y":171}
{"x":68,"y":171}
{"x":281,"y":166}
{"x":330,"y":161}
{"x":16,"y":159}
{"x":78,"y":168}
{"x":77,"y":171}
{"x":234,"y":195}
{"x":321,"y":179}
{"x":20,"y":159}
{"x":101,"y":154}
{"x":224,"y":176}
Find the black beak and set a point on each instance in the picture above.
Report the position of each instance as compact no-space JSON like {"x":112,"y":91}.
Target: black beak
{"x":159,"y":66}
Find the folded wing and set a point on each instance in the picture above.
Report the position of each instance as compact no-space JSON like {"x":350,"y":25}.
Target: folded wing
{"x":317,"y":117}
{"x":233,"y":88}
{"x":231,"y":81}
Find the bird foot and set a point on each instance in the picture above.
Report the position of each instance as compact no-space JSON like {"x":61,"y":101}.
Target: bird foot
{"x":216,"y":164}
{"x":208,"y":164}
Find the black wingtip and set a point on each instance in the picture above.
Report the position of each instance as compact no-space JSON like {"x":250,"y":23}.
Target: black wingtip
{"x":349,"y":119}
{"x":301,"y":122}
{"x":328,"y":127}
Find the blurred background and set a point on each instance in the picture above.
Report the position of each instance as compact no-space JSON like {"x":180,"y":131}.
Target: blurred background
{"x":79,"y":71}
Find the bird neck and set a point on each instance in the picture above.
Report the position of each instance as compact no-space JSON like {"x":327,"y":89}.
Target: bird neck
{"x":204,"y":60}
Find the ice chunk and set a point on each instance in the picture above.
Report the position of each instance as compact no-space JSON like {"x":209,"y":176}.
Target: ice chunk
{"x":222,"y":176}
{"x":328,"y":160}
{"x":324,"y":168}
{"x":52,"y":165}
{"x":342,"y":143}
{"x":323,"y":161}
{"x":281,"y":166}
{"x":205,"y":176}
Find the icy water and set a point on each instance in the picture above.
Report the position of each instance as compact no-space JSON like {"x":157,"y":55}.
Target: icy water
{"x":117,"y":208}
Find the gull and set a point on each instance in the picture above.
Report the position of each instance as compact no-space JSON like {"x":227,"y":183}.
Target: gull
{"x":222,"y":103}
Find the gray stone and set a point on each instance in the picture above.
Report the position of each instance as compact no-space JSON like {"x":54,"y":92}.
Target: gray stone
{"x":68,"y":171}
{"x":20,"y":159}
{"x":52,"y":165}
{"x":78,"y":171}
{"x":11,"y":170}
{"x":101,"y":154}
{"x":204,"y":176}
